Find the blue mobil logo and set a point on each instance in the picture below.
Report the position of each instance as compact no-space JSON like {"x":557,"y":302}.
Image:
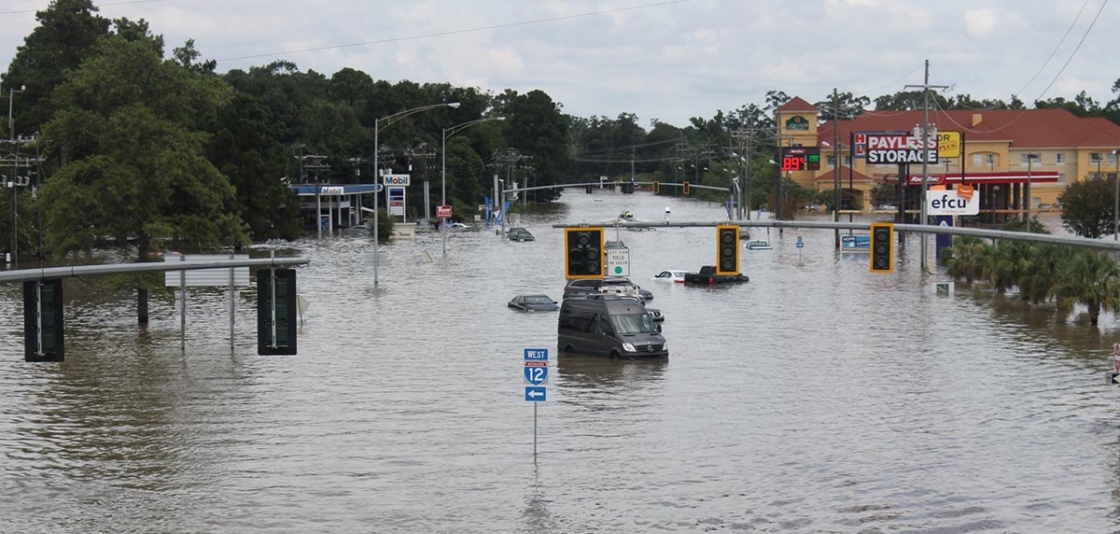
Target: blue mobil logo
{"x":950,"y":203}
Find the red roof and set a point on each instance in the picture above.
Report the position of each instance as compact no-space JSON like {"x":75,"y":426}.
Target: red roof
{"x":845,"y":173}
{"x":797,"y":104}
{"x":1022,"y":128}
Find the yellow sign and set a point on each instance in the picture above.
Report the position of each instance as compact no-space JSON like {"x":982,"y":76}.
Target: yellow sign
{"x":948,"y":144}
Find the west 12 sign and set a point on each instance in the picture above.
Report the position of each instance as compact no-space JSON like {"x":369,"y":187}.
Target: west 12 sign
{"x":796,"y":158}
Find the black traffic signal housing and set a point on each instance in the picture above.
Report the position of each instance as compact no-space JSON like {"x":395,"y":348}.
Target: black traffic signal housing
{"x":584,"y":256}
{"x":277,"y":315}
{"x":656,"y":187}
{"x":727,"y":250}
{"x":684,"y":188}
{"x":627,"y":188}
{"x":882,"y":247}
{"x":42,"y":321}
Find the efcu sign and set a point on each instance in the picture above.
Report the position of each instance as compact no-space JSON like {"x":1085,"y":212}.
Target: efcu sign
{"x":961,"y":201}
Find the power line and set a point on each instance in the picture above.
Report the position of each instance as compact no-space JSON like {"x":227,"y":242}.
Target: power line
{"x":1074,"y":53}
{"x":1055,"y":51}
{"x":458,"y":32}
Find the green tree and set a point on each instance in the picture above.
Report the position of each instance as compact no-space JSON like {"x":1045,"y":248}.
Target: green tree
{"x":65,"y":36}
{"x":246,"y":148}
{"x":1087,"y":207}
{"x":966,"y":257}
{"x":1090,"y":279}
{"x":136,"y":170}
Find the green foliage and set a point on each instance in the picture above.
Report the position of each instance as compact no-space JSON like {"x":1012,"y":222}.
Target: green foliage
{"x":1091,"y":279}
{"x":136,"y":167}
{"x":1040,"y":272}
{"x":1087,"y":207}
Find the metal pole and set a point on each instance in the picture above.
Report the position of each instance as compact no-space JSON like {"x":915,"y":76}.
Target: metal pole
{"x":925,"y":165}
{"x":12,"y":181}
{"x":232,"y":306}
{"x":1116,"y":198}
{"x":183,"y":306}
{"x":1027,"y":193}
{"x":376,"y":233}
{"x":443,"y":192}
{"x":535,"y":433}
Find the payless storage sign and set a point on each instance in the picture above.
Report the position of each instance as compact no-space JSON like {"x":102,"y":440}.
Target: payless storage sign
{"x":895,"y":148}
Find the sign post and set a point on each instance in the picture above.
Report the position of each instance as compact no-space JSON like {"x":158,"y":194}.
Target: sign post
{"x":536,"y":375}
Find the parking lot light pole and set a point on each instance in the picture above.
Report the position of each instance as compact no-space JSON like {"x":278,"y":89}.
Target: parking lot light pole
{"x":1116,"y":197}
{"x":1030,"y":158}
{"x":448,"y":132}
{"x":12,"y":179}
{"x":378,"y":124}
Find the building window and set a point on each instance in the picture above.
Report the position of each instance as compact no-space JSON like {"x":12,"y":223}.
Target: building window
{"x":1095,"y":157}
{"x":1061,"y":158}
{"x":1024,"y":158}
{"x":977,"y":160}
{"x":830,"y":161}
{"x":1111,"y":159}
{"x":848,"y":161}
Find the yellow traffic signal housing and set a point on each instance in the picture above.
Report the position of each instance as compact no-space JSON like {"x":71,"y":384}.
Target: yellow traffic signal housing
{"x":656,"y":187}
{"x":584,"y":256}
{"x":727,"y":250}
{"x":684,"y":188}
{"x":882,"y":247}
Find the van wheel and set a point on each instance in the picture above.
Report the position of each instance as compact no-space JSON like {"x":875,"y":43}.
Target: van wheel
{"x":568,"y":348}
{"x":614,"y":355}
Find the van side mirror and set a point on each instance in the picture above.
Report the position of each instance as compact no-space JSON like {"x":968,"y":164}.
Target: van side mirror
{"x":658,"y":329}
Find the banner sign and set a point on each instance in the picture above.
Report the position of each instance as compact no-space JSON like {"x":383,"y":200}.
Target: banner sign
{"x":950,"y":202}
{"x":899,"y":149}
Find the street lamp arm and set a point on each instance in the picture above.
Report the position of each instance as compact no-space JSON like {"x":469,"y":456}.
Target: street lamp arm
{"x":448,"y":132}
{"x":383,"y":122}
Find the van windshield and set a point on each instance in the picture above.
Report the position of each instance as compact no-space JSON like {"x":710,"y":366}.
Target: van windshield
{"x":633,"y":323}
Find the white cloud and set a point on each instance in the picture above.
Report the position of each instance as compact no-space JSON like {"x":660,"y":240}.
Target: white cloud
{"x":981,"y":22}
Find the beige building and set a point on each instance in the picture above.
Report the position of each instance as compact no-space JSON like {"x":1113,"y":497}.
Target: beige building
{"x":997,"y":149}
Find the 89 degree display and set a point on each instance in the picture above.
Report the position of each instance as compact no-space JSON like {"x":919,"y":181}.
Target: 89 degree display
{"x":801,"y":159}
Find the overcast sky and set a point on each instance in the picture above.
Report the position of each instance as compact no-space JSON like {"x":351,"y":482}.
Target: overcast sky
{"x":668,"y":60}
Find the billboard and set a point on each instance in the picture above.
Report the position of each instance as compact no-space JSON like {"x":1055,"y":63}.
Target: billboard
{"x":880,"y":148}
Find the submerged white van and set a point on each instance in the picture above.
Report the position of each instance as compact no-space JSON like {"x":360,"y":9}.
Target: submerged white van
{"x":609,"y":325}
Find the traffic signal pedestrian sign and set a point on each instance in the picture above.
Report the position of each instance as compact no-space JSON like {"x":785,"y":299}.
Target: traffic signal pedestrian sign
{"x":583,"y":253}
{"x":42,"y":321}
{"x":727,"y":250}
{"x":277,"y":314}
{"x":684,"y":188}
{"x":882,"y":247}
{"x":656,"y":187}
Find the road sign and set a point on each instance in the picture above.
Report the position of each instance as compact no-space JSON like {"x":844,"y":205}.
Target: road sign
{"x":535,"y":374}
{"x":618,"y":261}
{"x":443,"y":212}
{"x":535,"y":393}
{"x":1109,"y":377}
{"x":536,"y":354}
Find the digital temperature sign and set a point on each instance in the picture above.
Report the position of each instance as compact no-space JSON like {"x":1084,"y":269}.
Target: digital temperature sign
{"x":796,"y":158}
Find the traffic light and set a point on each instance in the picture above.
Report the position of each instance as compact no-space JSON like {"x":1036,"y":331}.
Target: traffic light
{"x":584,"y":255}
{"x":277,"y":315}
{"x":656,"y":187}
{"x":684,"y":188}
{"x":727,"y":250}
{"x":42,"y":321}
{"x":882,"y":247}
{"x":627,"y":188}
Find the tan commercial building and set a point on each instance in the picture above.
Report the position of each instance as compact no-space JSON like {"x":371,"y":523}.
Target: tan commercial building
{"x":1001,"y":151}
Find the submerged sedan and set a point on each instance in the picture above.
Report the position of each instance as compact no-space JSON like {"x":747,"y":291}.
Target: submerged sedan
{"x":533,"y":303}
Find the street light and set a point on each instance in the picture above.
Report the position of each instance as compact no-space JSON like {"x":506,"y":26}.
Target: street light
{"x":448,"y":132}
{"x":377,"y":166}
{"x":1031,"y":156}
{"x":11,"y":140}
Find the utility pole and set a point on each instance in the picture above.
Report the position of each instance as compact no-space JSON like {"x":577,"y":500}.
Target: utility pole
{"x":925,"y":163}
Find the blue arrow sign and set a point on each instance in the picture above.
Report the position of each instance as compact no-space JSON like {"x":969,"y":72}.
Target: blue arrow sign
{"x":536,"y":375}
{"x":536,"y":354}
{"x":535,"y":393}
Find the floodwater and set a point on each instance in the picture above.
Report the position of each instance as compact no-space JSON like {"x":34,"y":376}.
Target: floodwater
{"x":816,"y":398}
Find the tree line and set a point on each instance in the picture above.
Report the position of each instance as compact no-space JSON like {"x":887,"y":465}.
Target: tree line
{"x":124,"y":144}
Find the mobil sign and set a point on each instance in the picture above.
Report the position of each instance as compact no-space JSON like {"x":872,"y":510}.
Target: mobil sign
{"x":953,"y":202}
